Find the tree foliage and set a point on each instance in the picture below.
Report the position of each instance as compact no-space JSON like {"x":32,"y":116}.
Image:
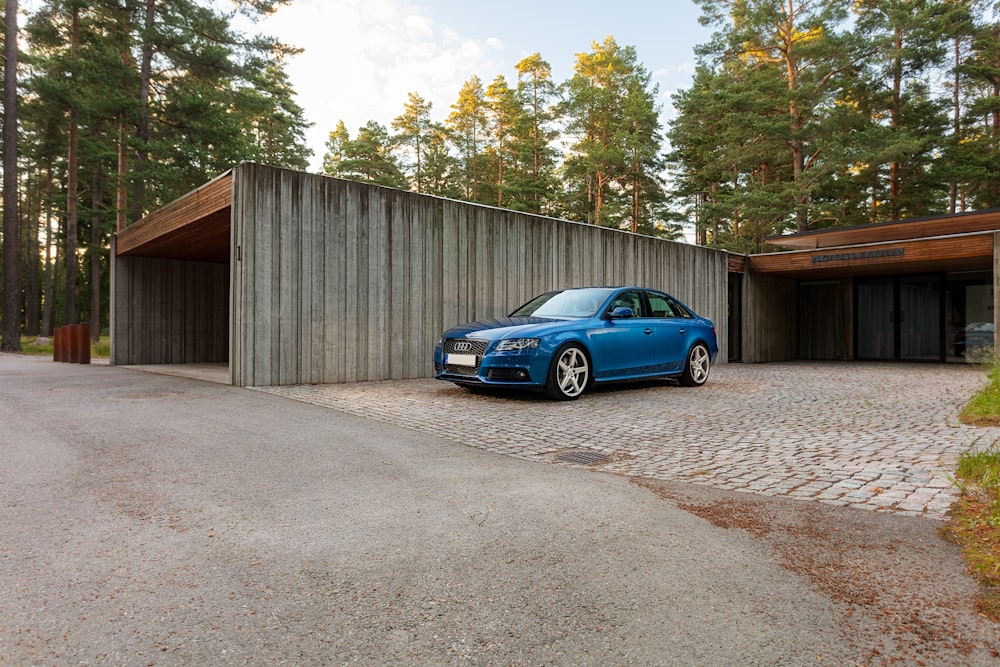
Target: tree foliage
{"x":805,"y":114}
{"x":801,"y":114}
{"x":125,"y":106}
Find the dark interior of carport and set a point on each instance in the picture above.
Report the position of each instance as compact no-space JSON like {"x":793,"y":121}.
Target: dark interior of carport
{"x":171,"y":282}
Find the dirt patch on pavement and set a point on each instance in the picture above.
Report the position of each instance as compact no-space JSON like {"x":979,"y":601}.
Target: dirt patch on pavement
{"x":903,"y":592}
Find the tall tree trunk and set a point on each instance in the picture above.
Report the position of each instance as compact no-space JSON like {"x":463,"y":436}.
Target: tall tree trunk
{"x":500,"y":149}
{"x":48,"y":289}
{"x":72,"y":196}
{"x":895,"y":186}
{"x":121,"y":184}
{"x":956,"y":123}
{"x":138,"y":203}
{"x":10,"y":336}
{"x":32,"y":286}
{"x":95,"y":252}
{"x":798,"y":152}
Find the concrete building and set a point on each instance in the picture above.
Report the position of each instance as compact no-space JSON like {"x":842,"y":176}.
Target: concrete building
{"x":293,"y":278}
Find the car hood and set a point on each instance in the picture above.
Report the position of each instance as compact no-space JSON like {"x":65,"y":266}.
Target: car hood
{"x":505,"y":327}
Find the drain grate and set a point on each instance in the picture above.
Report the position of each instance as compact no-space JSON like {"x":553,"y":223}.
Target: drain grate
{"x":582,"y":456}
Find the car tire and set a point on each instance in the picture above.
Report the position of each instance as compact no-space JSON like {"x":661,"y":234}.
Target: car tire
{"x":569,"y":373}
{"x":697,"y":366}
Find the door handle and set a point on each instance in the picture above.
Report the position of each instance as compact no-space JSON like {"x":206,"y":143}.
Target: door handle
{"x":647,"y":331}
{"x":682,"y":331}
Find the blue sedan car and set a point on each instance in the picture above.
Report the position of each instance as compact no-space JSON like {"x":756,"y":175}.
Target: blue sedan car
{"x":564,"y":341}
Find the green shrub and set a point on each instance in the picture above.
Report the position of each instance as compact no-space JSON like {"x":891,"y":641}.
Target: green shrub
{"x":43,"y":347}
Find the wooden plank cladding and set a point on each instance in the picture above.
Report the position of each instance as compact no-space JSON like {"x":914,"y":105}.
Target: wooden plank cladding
{"x":966,"y":251}
{"x":336,"y":281}
{"x":946,"y":225}
{"x":193,"y":227}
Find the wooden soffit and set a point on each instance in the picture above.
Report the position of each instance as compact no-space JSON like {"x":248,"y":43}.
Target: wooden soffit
{"x":960,"y":252}
{"x":194,"y":227}
{"x":901,"y":230}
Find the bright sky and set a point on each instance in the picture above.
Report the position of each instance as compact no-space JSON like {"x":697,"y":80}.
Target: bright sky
{"x":362,"y":57}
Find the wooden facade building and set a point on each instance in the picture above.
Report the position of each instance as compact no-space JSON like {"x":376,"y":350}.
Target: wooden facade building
{"x":912,"y":290}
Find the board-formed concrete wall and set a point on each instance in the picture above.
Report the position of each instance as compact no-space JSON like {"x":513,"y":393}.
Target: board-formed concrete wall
{"x":770,"y":314}
{"x":166,"y":311}
{"x":334,"y":281}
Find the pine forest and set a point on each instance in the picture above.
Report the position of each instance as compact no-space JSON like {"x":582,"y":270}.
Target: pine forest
{"x":801,"y":115}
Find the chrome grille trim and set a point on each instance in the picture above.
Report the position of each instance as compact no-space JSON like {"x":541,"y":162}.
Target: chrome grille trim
{"x":478,"y":348}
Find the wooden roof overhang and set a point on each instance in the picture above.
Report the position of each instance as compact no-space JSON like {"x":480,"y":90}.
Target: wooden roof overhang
{"x":899,"y":230}
{"x":956,"y":252}
{"x":194,"y":227}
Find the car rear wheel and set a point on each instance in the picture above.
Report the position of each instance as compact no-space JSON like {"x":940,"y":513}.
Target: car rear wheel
{"x":569,"y":374}
{"x":696,"y":369}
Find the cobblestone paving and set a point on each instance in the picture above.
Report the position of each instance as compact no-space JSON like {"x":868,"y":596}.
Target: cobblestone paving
{"x":880,"y":437}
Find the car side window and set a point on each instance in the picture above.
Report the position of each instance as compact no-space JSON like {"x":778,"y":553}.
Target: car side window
{"x":679,"y":310}
{"x":660,"y":306}
{"x":627,"y":299}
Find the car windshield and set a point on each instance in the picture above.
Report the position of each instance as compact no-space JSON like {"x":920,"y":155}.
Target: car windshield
{"x":567,"y":303}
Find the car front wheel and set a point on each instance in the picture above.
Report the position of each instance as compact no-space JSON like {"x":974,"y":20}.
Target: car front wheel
{"x":699,"y":362}
{"x":569,"y":374}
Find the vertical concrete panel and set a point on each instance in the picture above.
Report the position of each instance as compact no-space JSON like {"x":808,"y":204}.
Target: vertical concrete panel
{"x":307,"y":236}
{"x":769,"y":334}
{"x":264,"y":279}
{"x":159,"y":305}
{"x":398,"y":321}
{"x":317,"y":247}
{"x":335,"y":293}
{"x":120,"y":315}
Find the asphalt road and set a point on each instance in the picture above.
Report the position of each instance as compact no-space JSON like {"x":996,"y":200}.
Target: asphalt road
{"x":155,"y":520}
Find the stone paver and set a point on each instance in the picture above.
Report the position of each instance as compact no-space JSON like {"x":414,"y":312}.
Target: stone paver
{"x":882,"y":437}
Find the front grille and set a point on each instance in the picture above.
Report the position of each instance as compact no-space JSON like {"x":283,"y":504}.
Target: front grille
{"x":477,"y":347}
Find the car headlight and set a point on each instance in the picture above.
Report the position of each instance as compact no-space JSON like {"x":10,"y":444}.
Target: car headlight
{"x":515,"y":344}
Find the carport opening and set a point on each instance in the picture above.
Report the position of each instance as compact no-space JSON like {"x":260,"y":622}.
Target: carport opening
{"x":171,"y":287}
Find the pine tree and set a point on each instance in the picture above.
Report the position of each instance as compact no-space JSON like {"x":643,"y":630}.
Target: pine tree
{"x":441,"y":169}
{"x":798,"y":40}
{"x":468,"y":128}
{"x":337,"y":145}
{"x":612,"y":167}
{"x":534,"y":186}
{"x":504,"y":113}
{"x":10,"y":333}
{"x":367,"y":159}
{"x":977,"y":153}
{"x":414,"y":129}
{"x":908,"y":41}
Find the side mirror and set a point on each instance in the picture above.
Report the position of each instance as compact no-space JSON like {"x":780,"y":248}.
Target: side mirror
{"x":621,"y":313}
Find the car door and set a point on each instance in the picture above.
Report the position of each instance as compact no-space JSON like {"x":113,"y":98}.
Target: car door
{"x":626,"y":343}
{"x":672,"y":332}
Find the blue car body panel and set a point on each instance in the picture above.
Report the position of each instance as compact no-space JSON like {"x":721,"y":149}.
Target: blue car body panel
{"x":619,"y":348}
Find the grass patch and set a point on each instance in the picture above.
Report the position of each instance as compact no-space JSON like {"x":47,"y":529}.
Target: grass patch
{"x":975,"y":518}
{"x":984,"y":408}
{"x":42,"y":347}
{"x":975,"y":523}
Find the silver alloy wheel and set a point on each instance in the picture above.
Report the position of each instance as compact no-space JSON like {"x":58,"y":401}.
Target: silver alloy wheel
{"x":699,"y":363}
{"x":572,"y":372}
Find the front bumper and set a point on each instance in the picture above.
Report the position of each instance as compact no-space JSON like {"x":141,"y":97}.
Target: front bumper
{"x":516,"y":369}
